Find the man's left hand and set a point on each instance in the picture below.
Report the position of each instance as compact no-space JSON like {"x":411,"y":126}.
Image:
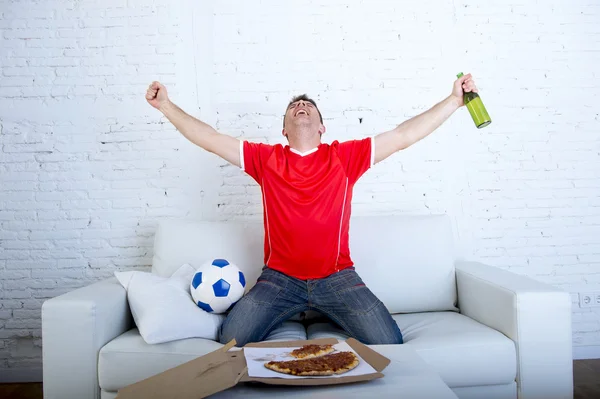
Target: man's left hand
{"x":463,"y":85}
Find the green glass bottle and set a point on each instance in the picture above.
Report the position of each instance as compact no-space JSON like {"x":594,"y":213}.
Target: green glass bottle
{"x":476,"y":108}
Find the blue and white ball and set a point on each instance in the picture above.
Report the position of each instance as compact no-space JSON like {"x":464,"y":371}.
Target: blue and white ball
{"x":217,"y":286}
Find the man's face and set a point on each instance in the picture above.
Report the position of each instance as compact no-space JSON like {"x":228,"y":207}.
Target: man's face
{"x":302,"y":113}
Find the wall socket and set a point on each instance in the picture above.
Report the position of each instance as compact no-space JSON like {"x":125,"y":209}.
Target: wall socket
{"x":589,"y":299}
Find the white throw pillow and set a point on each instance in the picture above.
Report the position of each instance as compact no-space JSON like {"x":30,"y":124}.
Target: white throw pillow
{"x":163,"y":308}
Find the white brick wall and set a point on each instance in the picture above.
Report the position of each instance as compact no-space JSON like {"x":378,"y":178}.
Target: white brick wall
{"x":87,"y":167}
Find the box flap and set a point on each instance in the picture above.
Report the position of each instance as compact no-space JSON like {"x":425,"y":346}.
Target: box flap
{"x":375,"y":359}
{"x":292,"y":344}
{"x":312,"y":381}
{"x":198,"y":378}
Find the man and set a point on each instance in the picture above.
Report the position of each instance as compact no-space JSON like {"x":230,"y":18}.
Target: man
{"x":307,"y":192}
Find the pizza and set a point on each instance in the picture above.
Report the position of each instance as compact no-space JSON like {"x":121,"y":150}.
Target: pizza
{"x":333,"y":363}
{"x":308,"y":351}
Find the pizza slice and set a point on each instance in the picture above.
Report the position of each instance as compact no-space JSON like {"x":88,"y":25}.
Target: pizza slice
{"x":308,"y":351}
{"x":334,"y":363}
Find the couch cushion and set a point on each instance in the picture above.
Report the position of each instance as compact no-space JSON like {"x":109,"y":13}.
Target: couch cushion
{"x":187,"y":241}
{"x":107,"y":394}
{"x":325,"y":330}
{"x":128,"y":359}
{"x":407,"y":261}
{"x":463,"y":351}
{"x":288,"y":331}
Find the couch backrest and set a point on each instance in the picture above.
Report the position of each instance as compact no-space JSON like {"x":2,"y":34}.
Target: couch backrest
{"x":195,"y":242}
{"x":407,"y":261}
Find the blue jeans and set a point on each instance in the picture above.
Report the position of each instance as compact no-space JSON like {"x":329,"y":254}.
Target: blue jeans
{"x":342,"y":297}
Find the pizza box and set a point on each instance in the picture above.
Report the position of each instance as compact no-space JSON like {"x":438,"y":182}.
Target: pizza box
{"x":223,"y":369}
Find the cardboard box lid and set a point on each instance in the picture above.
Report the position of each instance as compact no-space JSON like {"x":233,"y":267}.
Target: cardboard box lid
{"x":221,"y":370}
{"x":198,"y":378}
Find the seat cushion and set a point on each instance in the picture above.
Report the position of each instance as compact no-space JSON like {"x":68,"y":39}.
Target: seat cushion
{"x":107,"y":394}
{"x":326,"y":330}
{"x":288,"y":331}
{"x":463,"y":351}
{"x":128,"y":359}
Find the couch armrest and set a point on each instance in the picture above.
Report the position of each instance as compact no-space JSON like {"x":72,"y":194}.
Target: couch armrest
{"x":75,"y":326}
{"x":536,"y":316}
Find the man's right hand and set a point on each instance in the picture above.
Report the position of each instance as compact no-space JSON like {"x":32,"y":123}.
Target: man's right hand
{"x":156,"y":95}
{"x":194,"y":130}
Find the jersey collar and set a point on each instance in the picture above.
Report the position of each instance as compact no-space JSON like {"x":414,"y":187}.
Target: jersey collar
{"x":303,"y":154}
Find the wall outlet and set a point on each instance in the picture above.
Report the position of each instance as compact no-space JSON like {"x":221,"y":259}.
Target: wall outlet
{"x":589,"y":299}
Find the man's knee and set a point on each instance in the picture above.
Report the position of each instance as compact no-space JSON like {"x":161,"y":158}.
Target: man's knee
{"x":237,"y":327}
{"x":392,"y":337}
{"x":395,"y":338}
{"x":246,"y":322}
{"x":227,"y":333}
{"x":224,"y":335}
{"x":382,"y":329}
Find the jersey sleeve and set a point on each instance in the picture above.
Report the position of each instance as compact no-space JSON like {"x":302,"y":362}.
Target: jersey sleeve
{"x":357,"y":156}
{"x":253,"y":158}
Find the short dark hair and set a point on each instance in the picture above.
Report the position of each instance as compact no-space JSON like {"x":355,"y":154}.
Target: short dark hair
{"x":303,"y":97}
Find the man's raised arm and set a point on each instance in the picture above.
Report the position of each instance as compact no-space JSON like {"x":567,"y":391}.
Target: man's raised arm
{"x":420,"y":126}
{"x":194,"y":130}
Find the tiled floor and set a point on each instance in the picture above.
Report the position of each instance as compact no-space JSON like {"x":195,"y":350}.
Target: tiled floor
{"x":586,"y":377}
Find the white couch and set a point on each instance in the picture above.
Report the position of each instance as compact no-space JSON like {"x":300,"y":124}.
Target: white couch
{"x":488,"y":333}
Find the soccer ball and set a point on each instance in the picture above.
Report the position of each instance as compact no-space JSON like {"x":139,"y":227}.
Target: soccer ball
{"x":217,"y":286}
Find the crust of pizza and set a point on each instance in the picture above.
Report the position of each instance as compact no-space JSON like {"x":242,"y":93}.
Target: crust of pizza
{"x":335,"y":363}
{"x":308,"y":351}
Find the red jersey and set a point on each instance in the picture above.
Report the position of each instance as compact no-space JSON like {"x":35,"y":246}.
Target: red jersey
{"x":306,"y":203}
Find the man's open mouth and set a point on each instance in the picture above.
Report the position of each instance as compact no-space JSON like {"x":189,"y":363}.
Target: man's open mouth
{"x":301,"y":112}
